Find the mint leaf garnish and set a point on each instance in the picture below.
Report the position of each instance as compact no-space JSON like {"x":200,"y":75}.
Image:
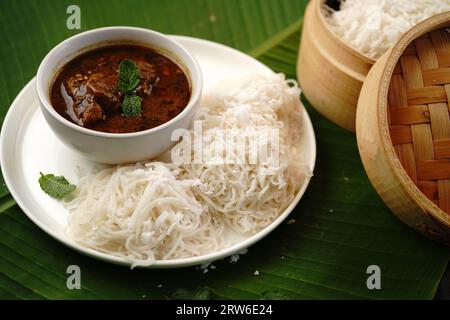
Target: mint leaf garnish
{"x":55,"y":186}
{"x":128,"y":76}
{"x":131,"y":105}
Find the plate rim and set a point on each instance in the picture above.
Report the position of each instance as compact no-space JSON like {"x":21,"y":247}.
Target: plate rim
{"x":158,"y":264}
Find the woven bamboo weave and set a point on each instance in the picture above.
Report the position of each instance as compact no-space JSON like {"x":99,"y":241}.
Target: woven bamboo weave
{"x":419,"y":120}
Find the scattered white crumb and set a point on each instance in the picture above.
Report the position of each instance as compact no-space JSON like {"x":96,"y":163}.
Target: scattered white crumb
{"x":291,"y":221}
{"x":160,"y":285}
{"x":204,"y":268}
{"x":331,"y":210}
{"x":256,"y":273}
{"x":282,"y":257}
{"x":234,"y":258}
{"x":346,"y":179}
{"x":144,"y":296}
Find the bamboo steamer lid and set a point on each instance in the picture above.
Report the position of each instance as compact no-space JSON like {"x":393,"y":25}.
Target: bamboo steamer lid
{"x":403,"y":127}
{"x":330,"y":72}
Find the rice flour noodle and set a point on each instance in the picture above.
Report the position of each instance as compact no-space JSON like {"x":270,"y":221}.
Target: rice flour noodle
{"x":373,"y":26}
{"x":248,"y":197}
{"x":159,"y":211}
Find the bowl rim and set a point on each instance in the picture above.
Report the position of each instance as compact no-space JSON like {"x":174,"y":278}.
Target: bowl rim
{"x":196,"y":84}
{"x":393,"y":56}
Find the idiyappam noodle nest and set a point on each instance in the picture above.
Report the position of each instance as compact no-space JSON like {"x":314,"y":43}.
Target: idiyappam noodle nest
{"x":373,"y":26}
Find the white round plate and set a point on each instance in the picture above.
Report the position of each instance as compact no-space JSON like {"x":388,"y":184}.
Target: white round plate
{"x":28,"y":146}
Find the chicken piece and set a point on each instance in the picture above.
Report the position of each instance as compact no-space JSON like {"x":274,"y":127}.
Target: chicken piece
{"x":81,"y":104}
{"x":104,"y":89}
{"x":93,"y":96}
{"x":92,"y":114}
{"x":76,"y":86}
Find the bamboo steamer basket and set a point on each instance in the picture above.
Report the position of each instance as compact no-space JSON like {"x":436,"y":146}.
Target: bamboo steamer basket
{"x":330,"y":72}
{"x":403,"y":127}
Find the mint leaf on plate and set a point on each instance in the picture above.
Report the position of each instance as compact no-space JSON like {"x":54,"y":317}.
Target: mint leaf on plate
{"x":55,"y":186}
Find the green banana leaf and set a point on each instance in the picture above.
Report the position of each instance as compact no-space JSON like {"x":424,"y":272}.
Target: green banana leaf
{"x":341,"y":225}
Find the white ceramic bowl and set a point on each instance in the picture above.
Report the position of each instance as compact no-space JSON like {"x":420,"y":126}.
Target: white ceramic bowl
{"x":114,"y":148}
